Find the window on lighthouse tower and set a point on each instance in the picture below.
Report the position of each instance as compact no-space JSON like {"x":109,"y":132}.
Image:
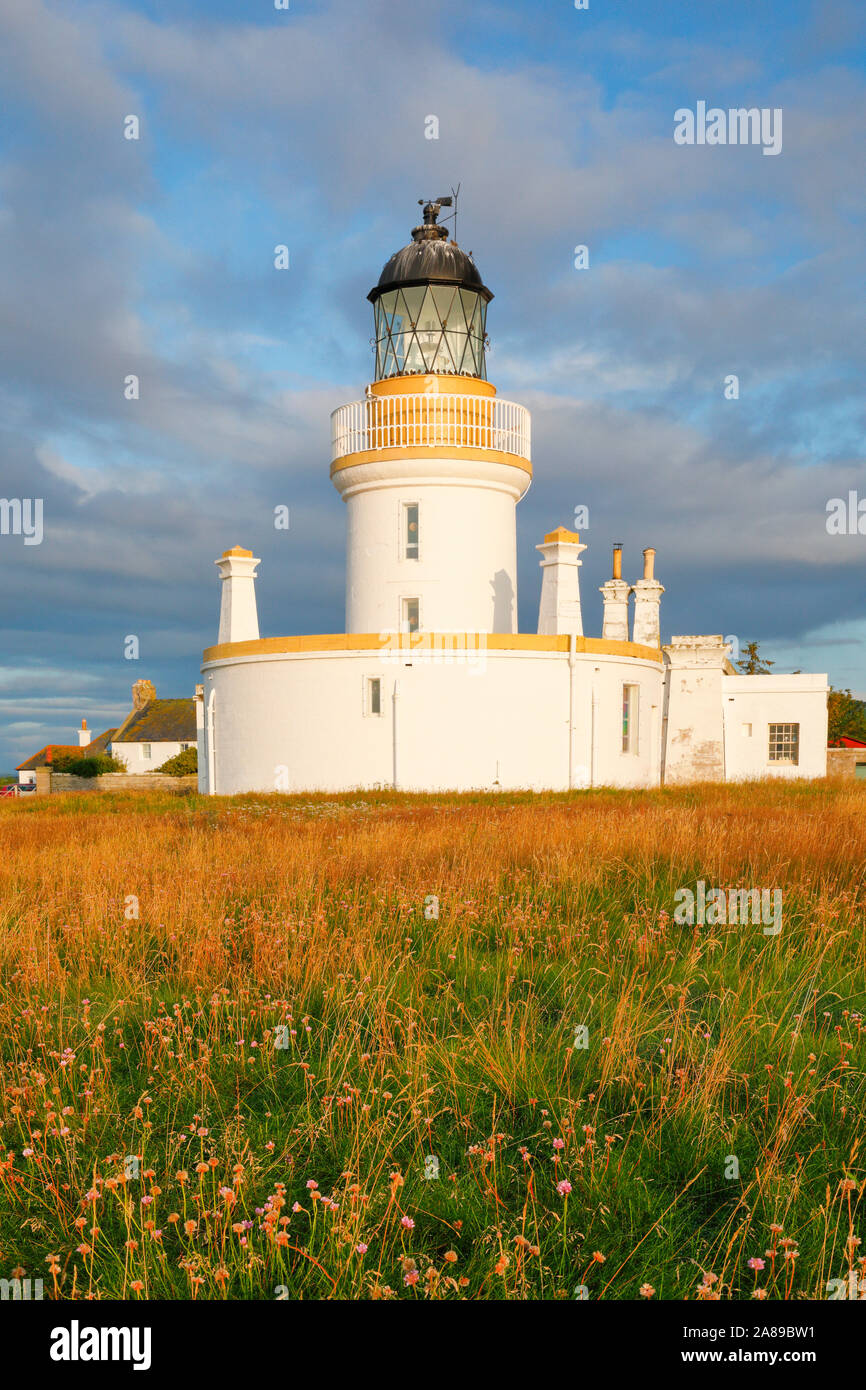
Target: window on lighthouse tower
{"x":410,"y":530}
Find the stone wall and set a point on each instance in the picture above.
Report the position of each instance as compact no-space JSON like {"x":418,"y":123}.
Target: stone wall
{"x":121,"y":782}
{"x":842,"y":761}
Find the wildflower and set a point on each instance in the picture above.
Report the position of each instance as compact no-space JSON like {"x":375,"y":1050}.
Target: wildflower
{"x":136,"y":1286}
{"x":411,"y":1277}
{"x":451,"y":1256}
{"x":563,"y":1188}
{"x":311,"y":1184}
{"x":646,"y":1290}
{"x":559,"y":1143}
{"x":755,"y":1263}
{"x":407,"y":1222}
{"x":598,"y":1257}
{"x":361,"y":1248}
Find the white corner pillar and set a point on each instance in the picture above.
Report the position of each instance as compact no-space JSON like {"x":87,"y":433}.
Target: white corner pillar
{"x":614,"y":593}
{"x":559,"y":609}
{"x":647,"y":601}
{"x":239,"y":620}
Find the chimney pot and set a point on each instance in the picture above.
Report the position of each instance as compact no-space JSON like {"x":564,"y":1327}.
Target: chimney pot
{"x":617,"y":562}
{"x":649,"y":556}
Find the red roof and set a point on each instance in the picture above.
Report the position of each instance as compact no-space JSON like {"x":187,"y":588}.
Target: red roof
{"x":846,"y":742}
{"x":45,"y":755}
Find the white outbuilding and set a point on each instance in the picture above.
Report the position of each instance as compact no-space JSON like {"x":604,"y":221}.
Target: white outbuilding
{"x":431,"y":687}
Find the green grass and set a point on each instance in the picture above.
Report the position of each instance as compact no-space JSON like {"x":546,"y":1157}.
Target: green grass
{"x":721,"y":1092}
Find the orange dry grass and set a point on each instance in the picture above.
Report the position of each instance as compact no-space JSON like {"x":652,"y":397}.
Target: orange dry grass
{"x":433,"y":957}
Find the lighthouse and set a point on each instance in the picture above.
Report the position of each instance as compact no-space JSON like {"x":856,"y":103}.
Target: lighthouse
{"x":430,"y":686}
{"x":432,"y":463}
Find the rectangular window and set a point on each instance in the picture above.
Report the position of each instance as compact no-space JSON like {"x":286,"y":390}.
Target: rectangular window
{"x":784,"y":743}
{"x":374,"y":695}
{"x":410,"y":615}
{"x":145,"y":750}
{"x":410,"y":530}
{"x":630,"y":695}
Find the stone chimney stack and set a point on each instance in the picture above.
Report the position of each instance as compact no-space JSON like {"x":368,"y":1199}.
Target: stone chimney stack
{"x":647,"y":600}
{"x":143,"y":694}
{"x":615,"y":593}
{"x":559,"y":610}
{"x":239,"y":620}
{"x":84,"y":735}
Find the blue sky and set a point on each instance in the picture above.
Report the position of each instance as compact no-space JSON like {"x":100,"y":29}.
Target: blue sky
{"x":306,"y":127}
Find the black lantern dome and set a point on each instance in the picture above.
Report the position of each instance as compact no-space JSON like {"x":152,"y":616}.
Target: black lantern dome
{"x":430,"y":306}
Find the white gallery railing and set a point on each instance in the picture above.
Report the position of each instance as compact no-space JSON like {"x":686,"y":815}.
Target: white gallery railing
{"x":427,"y":419}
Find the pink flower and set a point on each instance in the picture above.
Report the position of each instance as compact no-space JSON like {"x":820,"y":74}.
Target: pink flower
{"x":411,"y":1278}
{"x":755,"y":1263}
{"x":407,"y":1222}
{"x":563,"y":1188}
{"x":559,"y":1143}
{"x":361,"y":1248}
{"x":311,"y":1184}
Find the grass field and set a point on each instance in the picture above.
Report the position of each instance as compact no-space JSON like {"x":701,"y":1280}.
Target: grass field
{"x":341,"y":1036}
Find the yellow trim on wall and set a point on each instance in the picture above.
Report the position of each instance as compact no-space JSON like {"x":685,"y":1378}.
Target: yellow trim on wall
{"x":421,"y":641}
{"x":432,"y":451}
{"x":448,"y":383}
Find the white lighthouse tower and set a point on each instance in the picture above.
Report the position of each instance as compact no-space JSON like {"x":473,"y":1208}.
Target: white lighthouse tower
{"x":432,"y":463}
{"x":431,"y":686}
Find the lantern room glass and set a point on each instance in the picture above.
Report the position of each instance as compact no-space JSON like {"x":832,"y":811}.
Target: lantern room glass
{"x":430,"y":328}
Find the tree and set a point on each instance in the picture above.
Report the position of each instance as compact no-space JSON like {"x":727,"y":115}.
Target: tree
{"x":751,"y":663}
{"x":846,"y":717}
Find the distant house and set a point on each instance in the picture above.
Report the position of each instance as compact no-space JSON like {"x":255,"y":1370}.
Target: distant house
{"x":44,"y":758}
{"x":846,"y":757}
{"x":154,"y":730}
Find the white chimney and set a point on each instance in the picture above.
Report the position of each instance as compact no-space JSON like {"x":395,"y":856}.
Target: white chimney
{"x":559,"y":610}
{"x":647,"y":599}
{"x":239,"y":621}
{"x":84,"y":735}
{"x":615,"y":594}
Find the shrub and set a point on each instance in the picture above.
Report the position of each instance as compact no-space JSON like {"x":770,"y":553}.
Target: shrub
{"x":94,"y":766}
{"x":182,"y":764}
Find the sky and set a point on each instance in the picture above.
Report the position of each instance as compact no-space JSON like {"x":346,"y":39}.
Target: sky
{"x":307,"y":127}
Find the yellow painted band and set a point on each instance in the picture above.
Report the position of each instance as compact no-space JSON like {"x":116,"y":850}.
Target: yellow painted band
{"x":484,"y":641}
{"x":420,"y":385}
{"x":433,"y":451}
